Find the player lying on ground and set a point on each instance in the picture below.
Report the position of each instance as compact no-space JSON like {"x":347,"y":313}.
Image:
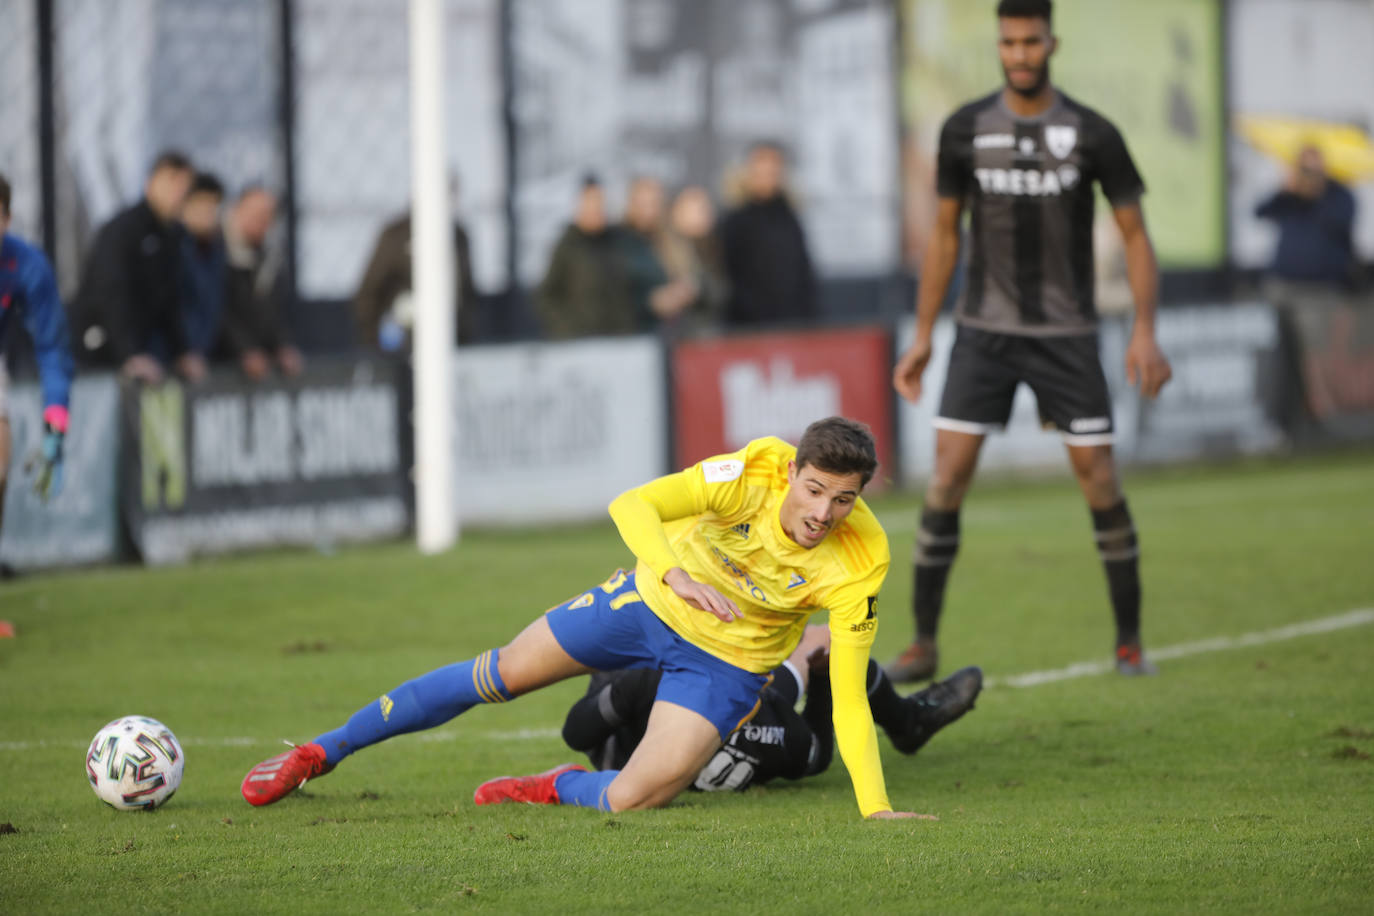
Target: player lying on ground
{"x":779,"y":742}
{"x":734,"y":556}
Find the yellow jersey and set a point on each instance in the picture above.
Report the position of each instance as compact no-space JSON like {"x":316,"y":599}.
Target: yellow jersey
{"x":719,"y":522}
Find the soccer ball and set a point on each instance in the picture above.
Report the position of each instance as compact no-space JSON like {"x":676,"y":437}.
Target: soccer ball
{"x":134,"y":762}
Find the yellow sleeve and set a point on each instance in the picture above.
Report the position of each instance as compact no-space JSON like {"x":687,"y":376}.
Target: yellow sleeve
{"x":855,"y":735}
{"x":853,"y":624}
{"x":715,"y":485}
{"x":639,"y":515}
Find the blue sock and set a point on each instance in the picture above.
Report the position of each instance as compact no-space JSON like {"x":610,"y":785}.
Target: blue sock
{"x":428,"y":700}
{"x":586,"y":790}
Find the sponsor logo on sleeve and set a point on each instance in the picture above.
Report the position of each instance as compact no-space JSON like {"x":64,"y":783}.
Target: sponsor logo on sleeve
{"x":870,"y":622}
{"x":722,"y":471}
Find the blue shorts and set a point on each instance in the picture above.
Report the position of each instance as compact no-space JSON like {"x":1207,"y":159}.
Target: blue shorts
{"x":610,"y":627}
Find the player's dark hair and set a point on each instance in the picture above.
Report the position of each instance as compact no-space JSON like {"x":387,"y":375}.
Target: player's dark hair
{"x":5,"y":195}
{"x":838,"y":445}
{"x":205,"y":183}
{"x":171,"y":159}
{"x":1026,"y":9}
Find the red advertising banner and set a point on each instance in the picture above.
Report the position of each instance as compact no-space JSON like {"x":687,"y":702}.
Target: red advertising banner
{"x":730,"y":390}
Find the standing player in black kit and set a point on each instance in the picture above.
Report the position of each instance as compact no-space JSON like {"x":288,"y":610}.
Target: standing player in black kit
{"x":1023,"y":161}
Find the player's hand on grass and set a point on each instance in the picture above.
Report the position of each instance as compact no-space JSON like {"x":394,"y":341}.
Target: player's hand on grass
{"x":701,"y":596}
{"x":1146,"y":365}
{"x":896,"y":815}
{"x":911,"y":365}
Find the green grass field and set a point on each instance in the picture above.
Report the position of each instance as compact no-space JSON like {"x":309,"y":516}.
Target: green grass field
{"x":1238,"y":780}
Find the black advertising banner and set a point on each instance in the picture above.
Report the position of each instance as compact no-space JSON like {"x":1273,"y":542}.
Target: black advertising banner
{"x":228,"y":465}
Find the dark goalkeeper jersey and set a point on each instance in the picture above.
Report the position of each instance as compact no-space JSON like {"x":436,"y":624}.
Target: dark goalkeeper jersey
{"x":1028,"y":184}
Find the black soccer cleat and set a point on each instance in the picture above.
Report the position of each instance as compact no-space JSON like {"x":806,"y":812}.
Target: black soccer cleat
{"x":936,"y":706}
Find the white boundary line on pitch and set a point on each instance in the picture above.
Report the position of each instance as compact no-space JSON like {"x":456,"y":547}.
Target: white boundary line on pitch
{"x":1357,"y":618}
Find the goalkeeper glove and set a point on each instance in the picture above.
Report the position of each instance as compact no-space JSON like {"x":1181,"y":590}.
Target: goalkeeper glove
{"x":48,"y":460}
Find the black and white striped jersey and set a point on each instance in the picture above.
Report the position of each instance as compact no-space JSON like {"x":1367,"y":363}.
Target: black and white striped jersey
{"x":1028,"y":184}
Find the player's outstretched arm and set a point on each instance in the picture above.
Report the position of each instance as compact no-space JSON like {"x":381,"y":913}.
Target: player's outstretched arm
{"x":942,"y":256}
{"x":639,"y":515}
{"x":854,"y":732}
{"x":1146,"y":364}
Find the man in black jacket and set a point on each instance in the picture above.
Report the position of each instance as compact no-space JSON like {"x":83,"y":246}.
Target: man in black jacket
{"x":766,"y":259}
{"x":127,"y":311}
{"x":255,"y":329}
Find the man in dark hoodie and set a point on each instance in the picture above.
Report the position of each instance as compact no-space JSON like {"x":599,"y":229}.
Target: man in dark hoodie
{"x":128,"y":309}
{"x":766,"y":260}
{"x":586,"y":291}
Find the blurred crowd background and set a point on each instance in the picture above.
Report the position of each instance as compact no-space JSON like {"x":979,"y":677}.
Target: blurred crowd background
{"x":684,"y":170}
{"x":573,"y":119}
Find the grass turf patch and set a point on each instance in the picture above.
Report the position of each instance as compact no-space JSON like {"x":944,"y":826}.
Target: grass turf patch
{"x":1235,"y":781}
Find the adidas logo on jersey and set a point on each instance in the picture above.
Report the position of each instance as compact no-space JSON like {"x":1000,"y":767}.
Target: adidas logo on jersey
{"x":1027,"y":182}
{"x":742,"y":530}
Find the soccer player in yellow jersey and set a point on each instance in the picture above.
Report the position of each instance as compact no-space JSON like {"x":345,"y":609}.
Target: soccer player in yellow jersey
{"x":734,"y":555}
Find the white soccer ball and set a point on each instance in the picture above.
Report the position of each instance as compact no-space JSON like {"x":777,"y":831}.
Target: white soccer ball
{"x":135,"y":763}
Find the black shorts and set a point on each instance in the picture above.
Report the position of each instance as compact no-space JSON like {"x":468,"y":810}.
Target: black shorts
{"x":1064,"y":372}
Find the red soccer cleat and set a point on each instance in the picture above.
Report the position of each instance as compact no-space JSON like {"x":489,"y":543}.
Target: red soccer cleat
{"x":1131,"y":661}
{"x":279,"y":776}
{"x":538,"y":789}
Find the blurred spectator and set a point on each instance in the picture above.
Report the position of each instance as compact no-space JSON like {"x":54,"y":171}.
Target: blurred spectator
{"x":128,"y":310}
{"x":255,"y":331}
{"x":643,"y":240}
{"x":766,"y":259}
{"x":28,"y":295}
{"x":691,"y":254}
{"x":586,"y":290}
{"x":382,"y":306}
{"x":1316,"y":218}
{"x":204,"y":270}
